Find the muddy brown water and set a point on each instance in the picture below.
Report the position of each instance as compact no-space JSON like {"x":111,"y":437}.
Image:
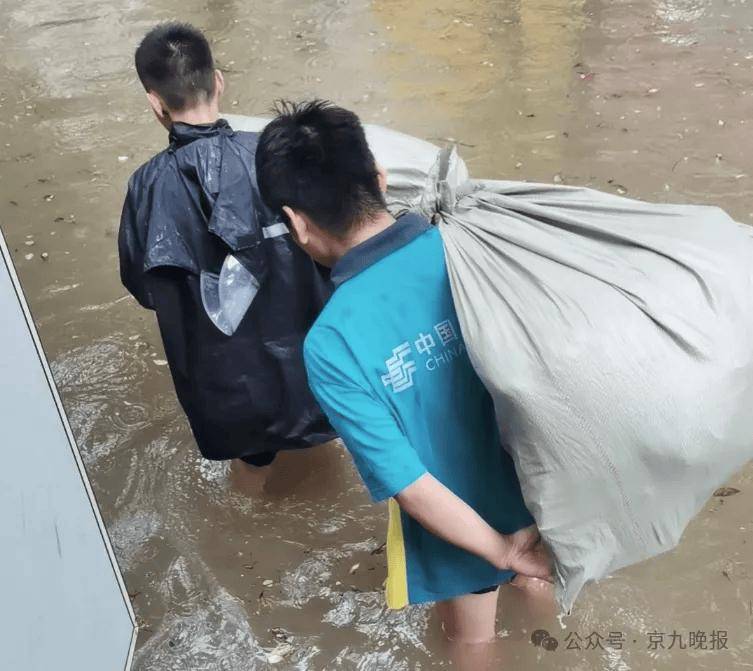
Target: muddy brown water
{"x":652,"y":98}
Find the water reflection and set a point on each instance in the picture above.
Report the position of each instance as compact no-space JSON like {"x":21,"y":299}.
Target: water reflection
{"x":234,"y":572}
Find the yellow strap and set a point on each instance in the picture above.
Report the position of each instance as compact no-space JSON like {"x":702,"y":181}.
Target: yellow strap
{"x":397,"y":573}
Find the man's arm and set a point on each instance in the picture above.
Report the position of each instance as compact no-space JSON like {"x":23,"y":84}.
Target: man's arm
{"x":446,"y":515}
{"x":390,"y":467}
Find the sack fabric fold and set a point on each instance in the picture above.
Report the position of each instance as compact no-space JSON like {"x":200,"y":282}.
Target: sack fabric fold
{"x":616,"y":338}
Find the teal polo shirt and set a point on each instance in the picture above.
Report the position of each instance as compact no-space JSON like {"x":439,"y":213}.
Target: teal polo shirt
{"x":387,"y":362}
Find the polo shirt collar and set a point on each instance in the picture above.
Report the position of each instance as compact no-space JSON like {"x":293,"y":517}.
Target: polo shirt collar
{"x":405,"y":229}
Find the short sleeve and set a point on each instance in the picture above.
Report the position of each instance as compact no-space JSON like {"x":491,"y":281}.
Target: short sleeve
{"x":385,"y":459}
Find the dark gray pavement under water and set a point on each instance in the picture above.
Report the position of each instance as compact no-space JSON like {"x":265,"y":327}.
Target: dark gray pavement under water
{"x":652,"y":98}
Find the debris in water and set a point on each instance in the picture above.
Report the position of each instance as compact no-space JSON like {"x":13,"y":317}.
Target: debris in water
{"x":268,"y":583}
{"x":44,"y":256}
{"x":29,"y":243}
{"x":726,"y":491}
{"x":159,"y":362}
{"x":622,"y":190}
{"x":539,"y":636}
{"x":279,"y":653}
{"x":280,"y":634}
{"x":122,"y":159}
{"x":29,"y":257}
{"x":49,"y":197}
{"x":354,"y":568}
{"x":558,"y":179}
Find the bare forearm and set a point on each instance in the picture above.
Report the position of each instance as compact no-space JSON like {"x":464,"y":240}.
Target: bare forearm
{"x":447,"y":516}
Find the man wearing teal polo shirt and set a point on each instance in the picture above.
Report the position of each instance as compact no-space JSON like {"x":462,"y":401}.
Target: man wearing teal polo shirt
{"x":387,"y":362}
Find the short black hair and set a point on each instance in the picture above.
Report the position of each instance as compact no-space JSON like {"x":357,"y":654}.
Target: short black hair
{"x":314,"y":157}
{"x":175,"y":61}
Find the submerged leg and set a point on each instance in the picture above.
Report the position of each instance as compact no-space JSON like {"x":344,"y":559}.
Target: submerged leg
{"x":469,"y":625}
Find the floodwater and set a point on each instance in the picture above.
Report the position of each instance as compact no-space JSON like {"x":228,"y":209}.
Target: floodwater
{"x":653,"y":98}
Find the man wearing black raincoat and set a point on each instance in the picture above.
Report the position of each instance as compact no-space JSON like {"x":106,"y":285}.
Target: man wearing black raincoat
{"x":233,"y":295}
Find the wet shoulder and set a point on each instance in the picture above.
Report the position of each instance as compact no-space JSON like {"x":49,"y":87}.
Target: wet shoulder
{"x":422,"y":257}
{"x":321,"y":342}
{"x":207,"y":153}
{"x":149,"y":171}
{"x":246,"y":140}
{"x":419,"y":262}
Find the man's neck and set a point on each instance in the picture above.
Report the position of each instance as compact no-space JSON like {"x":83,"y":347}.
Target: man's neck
{"x":365,"y":231}
{"x":196,"y":116}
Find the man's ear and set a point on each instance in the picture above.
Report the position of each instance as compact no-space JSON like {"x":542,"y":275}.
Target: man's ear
{"x":299,"y":227}
{"x":160,"y":111}
{"x":219,"y":84}
{"x":382,"y":177}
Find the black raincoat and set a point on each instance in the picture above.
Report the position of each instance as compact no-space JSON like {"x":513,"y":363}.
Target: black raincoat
{"x":186,"y":210}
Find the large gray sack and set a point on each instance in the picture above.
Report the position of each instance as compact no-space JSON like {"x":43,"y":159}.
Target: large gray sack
{"x":616,"y":338}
